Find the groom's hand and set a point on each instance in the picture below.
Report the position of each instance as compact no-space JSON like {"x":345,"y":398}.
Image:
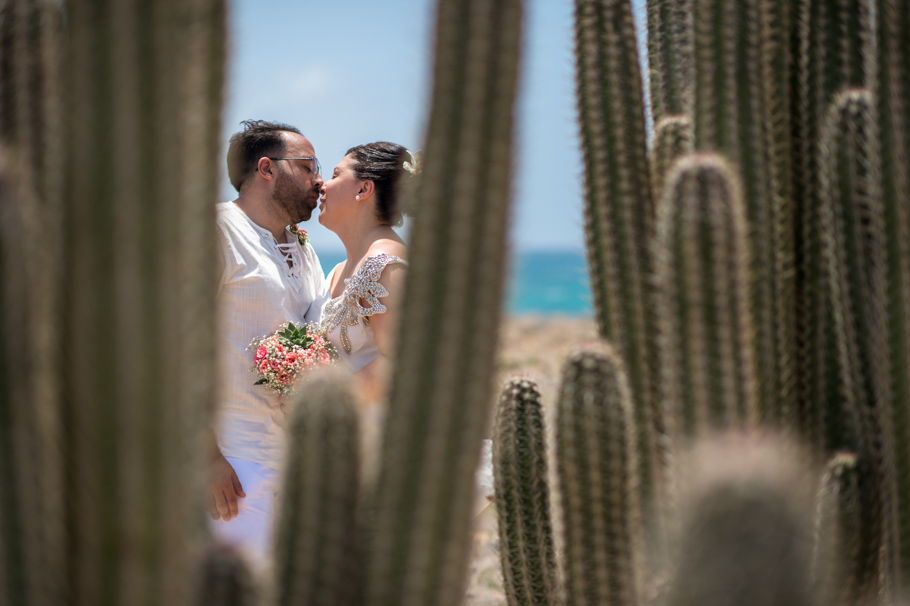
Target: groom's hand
{"x":224,"y":488}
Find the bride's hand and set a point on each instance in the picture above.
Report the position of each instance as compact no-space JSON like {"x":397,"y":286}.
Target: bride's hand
{"x":224,"y":488}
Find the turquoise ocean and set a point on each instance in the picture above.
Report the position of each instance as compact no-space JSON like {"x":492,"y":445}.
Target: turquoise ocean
{"x":540,"y":283}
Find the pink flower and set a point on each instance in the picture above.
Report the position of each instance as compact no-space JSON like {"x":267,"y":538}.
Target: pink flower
{"x":264,"y":366}
{"x":291,"y":358}
{"x":276,"y":365}
{"x":284,"y":378}
{"x":261,"y":352}
{"x":324,"y":358}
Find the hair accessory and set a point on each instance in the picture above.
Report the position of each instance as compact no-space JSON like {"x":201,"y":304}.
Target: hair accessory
{"x":414,"y":166}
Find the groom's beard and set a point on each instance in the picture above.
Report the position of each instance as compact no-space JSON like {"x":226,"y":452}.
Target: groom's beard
{"x":298,"y":201}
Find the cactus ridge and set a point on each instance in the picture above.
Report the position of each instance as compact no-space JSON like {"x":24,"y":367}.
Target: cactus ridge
{"x":318,"y":528}
{"x":701,"y":262}
{"x":619,"y":210}
{"x":438,"y":403}
{"x":523,"y":496}
{"x":598,"y":477}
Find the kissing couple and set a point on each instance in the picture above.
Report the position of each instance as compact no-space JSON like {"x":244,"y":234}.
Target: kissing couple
{"x":270,"y":275}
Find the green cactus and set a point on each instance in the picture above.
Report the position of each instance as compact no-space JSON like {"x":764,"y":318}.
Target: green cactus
{"x":619,"y":210}
{"x":744,"y":526}
{"x":834,"y":43}
{"x":144,"y":97}
{"x":225,"y":579}
{"x":598,"y":477}
{"x":846,"y":562}
{"x":670,"y":57}
{"x":673,"y":138}
{"x":523,"y":496}
{"x":853,"y":226}
{"x":317,"y":536}
{"x":32,"y":505}
{"x":731,"y":117}
{"x":892,"y":84}
{"x":440,"y":394}
{"x":701,"y":259}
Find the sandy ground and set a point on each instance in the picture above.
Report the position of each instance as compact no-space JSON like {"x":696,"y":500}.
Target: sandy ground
{"x":537,"y":347}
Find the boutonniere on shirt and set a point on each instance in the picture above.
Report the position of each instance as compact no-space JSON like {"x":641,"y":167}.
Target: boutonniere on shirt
{"x":300,"y":233}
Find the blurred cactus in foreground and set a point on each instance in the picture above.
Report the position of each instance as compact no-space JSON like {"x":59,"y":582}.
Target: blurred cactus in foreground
{"x":523,"y":496}
{"x":318,"y":531}
{"x":225,"y":579}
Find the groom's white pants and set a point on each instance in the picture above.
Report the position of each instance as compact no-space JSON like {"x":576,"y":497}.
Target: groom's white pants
{"x":250,"y":533}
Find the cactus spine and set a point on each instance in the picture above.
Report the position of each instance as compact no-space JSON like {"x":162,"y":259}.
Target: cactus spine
{"x":144,"y":94}
{"x":523,"y":496}
{"x":701,"y":262}
{"x":619,"y":210}
{"x":444,"y":366}
{"x":317,"y":534}
{"x":32,"y":508}
{"x":598,"y":476}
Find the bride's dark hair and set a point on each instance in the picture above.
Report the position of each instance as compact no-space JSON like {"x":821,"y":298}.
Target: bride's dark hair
{"x":382,"y":163}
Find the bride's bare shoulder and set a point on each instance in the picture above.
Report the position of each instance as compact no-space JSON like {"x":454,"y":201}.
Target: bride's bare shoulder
{"x":389,"y":247}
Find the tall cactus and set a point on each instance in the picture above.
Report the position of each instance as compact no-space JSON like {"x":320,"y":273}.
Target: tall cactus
{"x":619,"y":209}
{"x":144,"y":94}
{"x":846,"y":565}
{"x":598,"y":476}
{"x":852,"y":224}
{"x":670,"y":58}
{"x":892,"y":85}
{"x":523,"y":496}
{"x":317,"y":536}
{"x":730,"y":113}
{"x":440,"y":392}
{"x":701,"y":259}
{"x":32,"y":505}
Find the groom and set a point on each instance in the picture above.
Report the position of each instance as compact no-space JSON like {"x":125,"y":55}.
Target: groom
{"x":268,"y":278}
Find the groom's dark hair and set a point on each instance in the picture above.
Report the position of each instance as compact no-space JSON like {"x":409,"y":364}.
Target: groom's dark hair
{"x":258,"y":139}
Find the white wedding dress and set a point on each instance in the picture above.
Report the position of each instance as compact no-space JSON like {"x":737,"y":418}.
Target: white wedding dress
{"x":346,"y":323}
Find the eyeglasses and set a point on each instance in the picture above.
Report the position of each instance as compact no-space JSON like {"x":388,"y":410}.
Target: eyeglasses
{"x":318,"y":168}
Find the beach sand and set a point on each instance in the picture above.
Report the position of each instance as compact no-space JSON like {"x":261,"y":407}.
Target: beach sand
{"x":537,"y":347}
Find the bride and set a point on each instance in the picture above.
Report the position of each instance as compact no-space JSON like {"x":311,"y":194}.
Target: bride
{"x":360,"y":204}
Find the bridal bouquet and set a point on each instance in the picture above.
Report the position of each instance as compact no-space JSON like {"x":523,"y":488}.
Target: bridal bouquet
{"x":284,"y":358}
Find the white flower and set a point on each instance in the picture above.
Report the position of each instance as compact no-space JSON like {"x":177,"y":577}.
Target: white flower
{"x":414,"y":165}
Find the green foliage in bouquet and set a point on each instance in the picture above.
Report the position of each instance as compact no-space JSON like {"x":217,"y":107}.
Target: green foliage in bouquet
{"x":596,"y":454}
{"x":523,"y":496}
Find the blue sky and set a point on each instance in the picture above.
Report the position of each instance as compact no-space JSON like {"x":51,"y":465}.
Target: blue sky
{"x":362,"y":73}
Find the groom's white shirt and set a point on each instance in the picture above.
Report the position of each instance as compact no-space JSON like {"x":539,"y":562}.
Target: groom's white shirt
{"x":258,"y":291}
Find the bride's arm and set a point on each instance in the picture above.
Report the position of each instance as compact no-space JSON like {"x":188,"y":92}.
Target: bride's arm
{"x":372,"y":376}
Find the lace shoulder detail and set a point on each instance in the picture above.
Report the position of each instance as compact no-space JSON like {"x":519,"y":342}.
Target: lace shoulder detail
{"x":345,"y":310}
